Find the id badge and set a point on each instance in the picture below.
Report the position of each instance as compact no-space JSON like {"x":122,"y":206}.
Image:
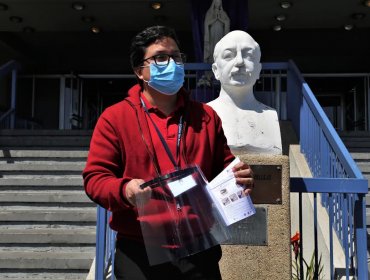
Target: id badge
{"x":182,"y":185}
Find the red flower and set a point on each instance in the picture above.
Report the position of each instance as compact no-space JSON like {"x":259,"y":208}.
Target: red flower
{"x":294,"y":240}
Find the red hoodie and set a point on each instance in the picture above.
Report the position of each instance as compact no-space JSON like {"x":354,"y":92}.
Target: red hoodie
{"x":121,"y":149}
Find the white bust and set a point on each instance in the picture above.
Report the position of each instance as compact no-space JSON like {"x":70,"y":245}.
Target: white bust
{"x":216,"y":25}
{"x":249,"y":125}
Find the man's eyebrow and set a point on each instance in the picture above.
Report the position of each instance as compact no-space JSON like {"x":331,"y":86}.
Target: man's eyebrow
{"x":166,"y":52}
{"x":160,"y":52}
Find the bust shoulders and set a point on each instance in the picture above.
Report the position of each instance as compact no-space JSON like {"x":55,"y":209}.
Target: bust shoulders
{"x":254,"y":130}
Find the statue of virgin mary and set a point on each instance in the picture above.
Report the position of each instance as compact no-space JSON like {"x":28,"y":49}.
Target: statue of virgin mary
{"x":216,"y":25}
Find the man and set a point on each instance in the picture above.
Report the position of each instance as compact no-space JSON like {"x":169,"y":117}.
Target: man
{"x":249,"y":125}
{"x":126,"y":150}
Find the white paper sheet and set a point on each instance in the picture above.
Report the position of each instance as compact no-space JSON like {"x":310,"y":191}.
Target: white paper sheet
{"x":229,"y":197}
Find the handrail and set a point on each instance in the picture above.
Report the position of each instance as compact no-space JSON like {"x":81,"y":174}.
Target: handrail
{"x":13,"y":67}
{"x":335,"y":174}
{"x":329,"y":185}
{"x":6,"y":114}
{"x":328,"y":129}
{"x":9,"y":66}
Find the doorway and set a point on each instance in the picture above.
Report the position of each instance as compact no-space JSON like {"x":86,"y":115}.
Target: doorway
{"x":344,"y":99}
{"x":101,"y":92}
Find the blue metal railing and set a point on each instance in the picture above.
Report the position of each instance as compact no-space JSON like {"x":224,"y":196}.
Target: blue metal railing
{"x":342,"y":194}
{"x":5,"y":118}
{"x":9,"y":117}
{"x":105,"y":236}
{"x":352,"y":191}
{"x":335,"y":175}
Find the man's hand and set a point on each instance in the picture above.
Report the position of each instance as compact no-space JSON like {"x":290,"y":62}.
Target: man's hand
{"x":135,"y":195}
{"x":244,"y":176}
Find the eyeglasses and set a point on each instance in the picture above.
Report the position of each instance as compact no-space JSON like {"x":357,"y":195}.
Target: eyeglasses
{"x":163,"y":59}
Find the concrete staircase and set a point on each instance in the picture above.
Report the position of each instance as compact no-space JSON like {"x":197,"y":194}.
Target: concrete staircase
{"x":47,"y":223}
{"x":358,"y":144}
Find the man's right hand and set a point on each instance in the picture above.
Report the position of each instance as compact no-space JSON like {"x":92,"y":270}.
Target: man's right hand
{"x":135,"y":195}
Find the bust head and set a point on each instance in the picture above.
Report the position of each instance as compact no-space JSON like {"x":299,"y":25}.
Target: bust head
{"x":249,"y":125}
{"x":237,"y":61}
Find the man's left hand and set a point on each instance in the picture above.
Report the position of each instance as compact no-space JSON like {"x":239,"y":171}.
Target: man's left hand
{"x":244,"y":176}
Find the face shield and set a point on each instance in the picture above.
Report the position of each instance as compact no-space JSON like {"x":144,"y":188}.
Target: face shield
{"x":180,"y":219}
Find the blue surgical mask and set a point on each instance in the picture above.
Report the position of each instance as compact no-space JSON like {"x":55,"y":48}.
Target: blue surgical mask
{"x":167,"y":79}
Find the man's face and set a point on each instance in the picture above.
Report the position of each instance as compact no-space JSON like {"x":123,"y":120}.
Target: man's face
{"x":165,"y":45}
{"x":238,"y":61}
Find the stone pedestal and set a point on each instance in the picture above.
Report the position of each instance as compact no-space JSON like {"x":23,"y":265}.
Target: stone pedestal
{"x":267,"y":256}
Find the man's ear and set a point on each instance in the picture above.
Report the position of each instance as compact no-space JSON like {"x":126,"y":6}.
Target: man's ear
{"x":138,"y":72}
{"x":215,"y":71}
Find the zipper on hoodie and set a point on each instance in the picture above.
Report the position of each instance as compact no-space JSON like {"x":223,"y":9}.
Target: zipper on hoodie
{"x":178,"y":206}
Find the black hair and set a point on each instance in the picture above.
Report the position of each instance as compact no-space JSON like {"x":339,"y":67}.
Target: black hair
{"x":145,"y":38}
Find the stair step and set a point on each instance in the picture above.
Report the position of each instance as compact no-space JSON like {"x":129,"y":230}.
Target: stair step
{"x":47,"y":222}
{"x":363,"y":142}
{"x":43,"y":153}
{"x":367,"y":176}
{"x":51,"y":233}
{"x":51,"y":196}
{"x":44,"y":141}
{"x":50,"y":213}
{"x":364,"y":166}
{"x":45,"y":132}
{"x":46,"y":257}
{"x":43,"y":166}
{"x":361,"y":156}
{"x":32,"y":180}
{"x":33,"y":274}
{"x":357,"y":149}
{"x":356,"y":139}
